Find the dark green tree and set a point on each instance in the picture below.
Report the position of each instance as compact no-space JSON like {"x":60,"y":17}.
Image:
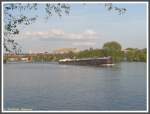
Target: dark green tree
{"x":113,"y":49}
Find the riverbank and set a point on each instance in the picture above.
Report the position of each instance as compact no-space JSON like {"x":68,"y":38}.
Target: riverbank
{"x":130,"y":55}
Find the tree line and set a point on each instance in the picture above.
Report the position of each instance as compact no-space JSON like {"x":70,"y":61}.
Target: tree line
{"x":113,"y":49}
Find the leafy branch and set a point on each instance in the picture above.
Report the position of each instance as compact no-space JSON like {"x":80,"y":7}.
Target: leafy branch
{"x":14,"y":17}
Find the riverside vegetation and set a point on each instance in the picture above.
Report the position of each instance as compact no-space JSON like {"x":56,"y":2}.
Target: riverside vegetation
{"x":113,"y":49}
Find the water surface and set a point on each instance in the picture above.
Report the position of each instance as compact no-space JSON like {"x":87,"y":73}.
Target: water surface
{"x":66,"y":87}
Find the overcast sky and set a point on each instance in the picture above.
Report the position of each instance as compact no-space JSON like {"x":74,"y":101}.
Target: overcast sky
{"x":86,"y":26}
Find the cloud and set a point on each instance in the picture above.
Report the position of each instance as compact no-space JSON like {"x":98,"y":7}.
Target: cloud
{"x":89,"y":32}
{"x":51,"y":33}
{"x":60,"y":34}
{"x":84,"y":43}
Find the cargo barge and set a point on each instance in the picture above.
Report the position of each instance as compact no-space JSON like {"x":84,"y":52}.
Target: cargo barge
{"x":103,"y":61}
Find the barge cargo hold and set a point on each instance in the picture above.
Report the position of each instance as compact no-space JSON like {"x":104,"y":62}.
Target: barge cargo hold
{"x":103,"y":61}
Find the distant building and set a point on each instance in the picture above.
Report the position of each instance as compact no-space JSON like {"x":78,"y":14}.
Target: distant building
{"x":125,"y":50}
{"x":66,"y":50}
{"x":12,"y":59}
{"x":24,"y":59}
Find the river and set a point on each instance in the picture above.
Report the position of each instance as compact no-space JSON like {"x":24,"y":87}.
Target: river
{"x":51,"y":86}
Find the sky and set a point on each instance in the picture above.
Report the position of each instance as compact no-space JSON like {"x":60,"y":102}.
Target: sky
{"x":86,"y":26}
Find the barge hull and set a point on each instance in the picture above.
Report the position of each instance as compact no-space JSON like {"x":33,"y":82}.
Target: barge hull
{"x":95,"y":62}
